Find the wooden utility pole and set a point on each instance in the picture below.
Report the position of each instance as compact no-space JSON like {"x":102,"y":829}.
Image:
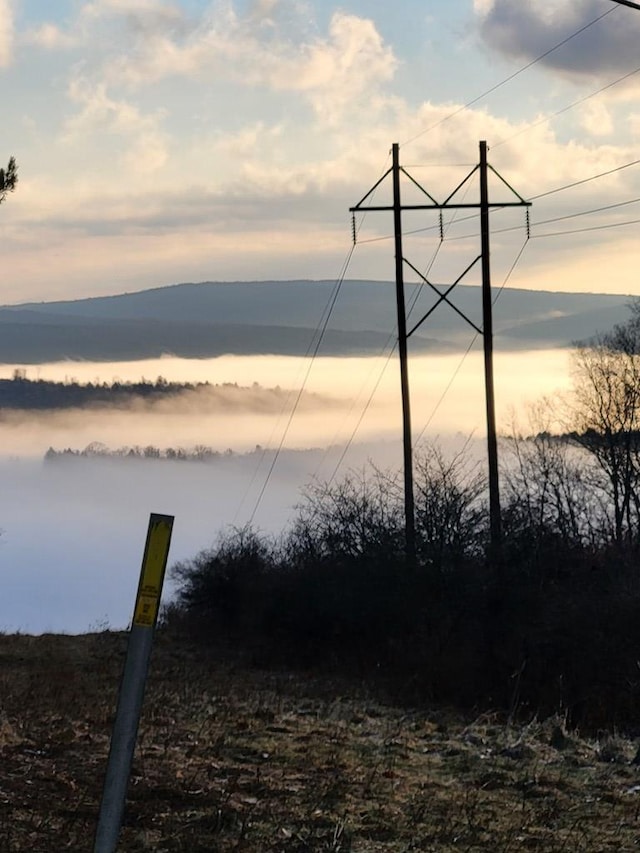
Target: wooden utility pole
{"x":409,"y":510}
{"x":486,"y":331}
{"x":487,"y":338}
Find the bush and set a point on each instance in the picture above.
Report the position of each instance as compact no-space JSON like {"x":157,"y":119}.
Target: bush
{"x":558,"y":632}
{"x":223,"y":590}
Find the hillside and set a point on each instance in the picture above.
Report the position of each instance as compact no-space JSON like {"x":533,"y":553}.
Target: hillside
{"x":231,"y":758}
{"x":281,"y":317}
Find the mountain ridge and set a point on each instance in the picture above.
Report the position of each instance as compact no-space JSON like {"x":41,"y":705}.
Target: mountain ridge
{"x":197,"y":320}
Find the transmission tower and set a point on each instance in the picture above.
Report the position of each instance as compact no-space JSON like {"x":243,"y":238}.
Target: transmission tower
{"x":450,"y":203}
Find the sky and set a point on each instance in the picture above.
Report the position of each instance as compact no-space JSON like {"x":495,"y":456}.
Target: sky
{"x":161,"y":142}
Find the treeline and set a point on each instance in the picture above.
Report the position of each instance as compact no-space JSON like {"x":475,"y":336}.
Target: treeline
{"x":543,"y":622}
{"x":199,"y":453}
{"x":41,"y":394}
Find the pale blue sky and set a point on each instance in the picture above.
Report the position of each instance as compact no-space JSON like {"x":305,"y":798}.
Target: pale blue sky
{"x":165,"y":141}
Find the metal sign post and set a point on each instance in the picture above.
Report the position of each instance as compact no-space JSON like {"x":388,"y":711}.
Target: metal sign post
{"x":125,"y":729}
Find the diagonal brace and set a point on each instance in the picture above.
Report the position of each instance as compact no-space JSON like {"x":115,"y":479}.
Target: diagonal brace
{"x":442,"y":297}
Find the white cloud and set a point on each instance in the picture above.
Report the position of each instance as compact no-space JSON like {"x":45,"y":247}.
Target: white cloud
{"x":6,"y":33}
{"x":596,"y":119}
{"x":146,"y":145}
{"x":135,"y":10}
{"x":483,"y":7}
{"x":200,"y":147}
{"x":634,"y":124}
{"x":331,"y":72}
{"x":51,"y":37}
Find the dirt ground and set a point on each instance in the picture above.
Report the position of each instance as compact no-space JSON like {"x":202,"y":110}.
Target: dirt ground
{"x":231,"y":759}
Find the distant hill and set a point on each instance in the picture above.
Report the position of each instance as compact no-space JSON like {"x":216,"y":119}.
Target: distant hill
{"x":281,"y":317}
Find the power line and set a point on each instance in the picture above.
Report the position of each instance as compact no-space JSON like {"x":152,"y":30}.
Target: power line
{"x":469,"y":348}
{"x":389,"y":341}
{"x":565,"y":109}
{"x":585,"y":180}
{"x":388,"y":358}
{"x":509,"y":78}
{"x":587,"y":212}
{"x":628,"y":3}
{"x":304,"y":382}
{"x":362,"y":414}
{"x":497,"y":207}
{"x":320,"y":331}
{"x":585,"y":230}
{"x":317,"y":331}
{"x":558,"y":219}
{"x":446,"y":390}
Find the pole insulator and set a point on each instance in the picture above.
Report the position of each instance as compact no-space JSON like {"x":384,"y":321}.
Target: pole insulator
{"x":528,"y":224}
{"x":441,"y":227}
{"x":354,"y":233}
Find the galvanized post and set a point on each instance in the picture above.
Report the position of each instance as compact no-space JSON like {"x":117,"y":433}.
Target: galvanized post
{"x":125,"y":730}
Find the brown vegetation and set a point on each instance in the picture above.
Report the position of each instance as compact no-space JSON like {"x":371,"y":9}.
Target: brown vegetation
{"x":236,"y":759}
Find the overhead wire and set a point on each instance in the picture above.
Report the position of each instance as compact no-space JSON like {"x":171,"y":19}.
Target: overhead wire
{"x":563,"y":218}
{"x":364,"y":411}
{"x":304,"y":382}
{"x":565,"y":109}
{"x":391,"y":351}
{"x":586,"y":230}
{"x":565,"y":187}
{"x":469,"y":348}
{"x":497,"y":207}
{"x":447,"y":388}
{"x":326,"y":310}
{"x":585,"y":180}
{"x":508,"y":79}
{"x":334,"y":295}
{"x":320,"y":332}
{"x":541,"y":195}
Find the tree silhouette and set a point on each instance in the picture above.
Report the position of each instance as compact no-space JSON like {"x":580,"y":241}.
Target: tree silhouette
{"x":606,"y":416}
{"x":8,"y":179}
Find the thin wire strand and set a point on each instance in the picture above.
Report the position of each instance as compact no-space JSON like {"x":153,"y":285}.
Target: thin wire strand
{"x":585,"y":180}
{"x":302,"y":387}
{"x":585,"y":230}
{"x":531,"y":225}
{"x":468,"y":350}
{"x":587,"y":212}
{"x":323,"y":328}
{"x":562,"y":188}
{"x":392,"y":350}
{"x":265,"y":450}
{"x":362,"y":414}
{"x":565,"y":109}
{"x":510,"y":77}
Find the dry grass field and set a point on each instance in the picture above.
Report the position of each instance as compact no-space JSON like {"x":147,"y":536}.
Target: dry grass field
{"x":232,"y":759}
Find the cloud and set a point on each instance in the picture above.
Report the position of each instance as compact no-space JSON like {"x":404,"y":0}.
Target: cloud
{"x":231,"y":145}
{"x":142,"y":14}
{"x":331,"y":71}
{"x":51,"y":37}
{"x":596,"y":119}
{"x":524,"y":31}
{"x":6,"y":33}
{"x":146,"y":146}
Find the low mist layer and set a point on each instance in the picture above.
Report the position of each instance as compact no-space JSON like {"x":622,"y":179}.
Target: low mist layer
{"x":72,"y":534}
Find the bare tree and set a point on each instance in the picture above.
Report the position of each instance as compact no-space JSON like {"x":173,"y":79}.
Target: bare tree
{"x":549,"y":485}
{"x":605,"y":417}
{"x":451,"y":511}
{"x":8,"y":179}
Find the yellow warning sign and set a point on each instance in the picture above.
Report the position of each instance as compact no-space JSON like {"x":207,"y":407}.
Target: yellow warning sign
{"x":154,"y":564}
